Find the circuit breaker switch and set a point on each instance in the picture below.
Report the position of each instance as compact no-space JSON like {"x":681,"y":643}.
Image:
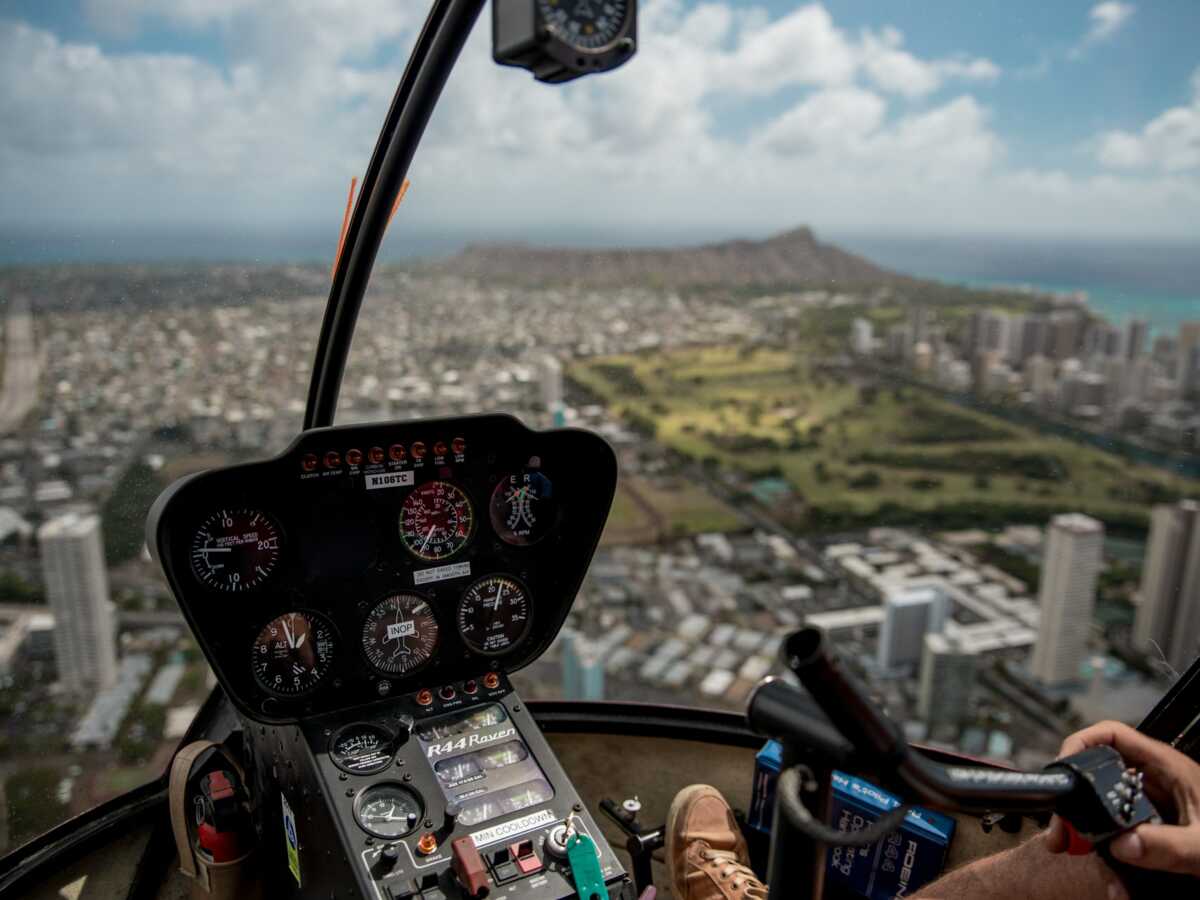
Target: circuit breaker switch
{"x":469,"y":867}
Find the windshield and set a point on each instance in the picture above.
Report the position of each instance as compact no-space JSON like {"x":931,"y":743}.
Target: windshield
{"x":891,"y":316}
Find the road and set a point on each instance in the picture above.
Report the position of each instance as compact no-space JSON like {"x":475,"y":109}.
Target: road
{"x":19,"y":390}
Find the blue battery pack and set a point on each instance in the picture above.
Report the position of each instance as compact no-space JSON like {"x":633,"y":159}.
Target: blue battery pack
{"x":897,"y":866}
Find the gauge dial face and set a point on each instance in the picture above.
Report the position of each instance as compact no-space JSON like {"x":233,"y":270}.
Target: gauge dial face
{"x":293,"y":653}
{"x":235,"y":549}
{"x":584,"y":24}
{"x":400,"y":634}
{"x":495,"y":614}
{"x":436,"y":520}
{"x":361,"y":749}
{"x":523,"y":508}
{"x":388,"y":810}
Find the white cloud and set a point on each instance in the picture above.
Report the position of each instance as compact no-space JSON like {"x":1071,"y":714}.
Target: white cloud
{"x":271,"y":138}
{"x":1104,"y":21}
{"x":1169,"y":142}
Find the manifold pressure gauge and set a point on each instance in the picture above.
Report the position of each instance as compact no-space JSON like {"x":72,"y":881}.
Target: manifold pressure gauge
{"x":558,"y":40}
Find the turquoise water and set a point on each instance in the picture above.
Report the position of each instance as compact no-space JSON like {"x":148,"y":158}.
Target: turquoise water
{"x":1164,"y":313}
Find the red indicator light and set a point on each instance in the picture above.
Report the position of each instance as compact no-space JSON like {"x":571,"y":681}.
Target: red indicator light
{"x":470,"y":687}
{"x":354,"y":457}
{"x":418,"y":450}
{"x":459,"y":446}
{"x":375,"y":455}
{"x":310,"y":462}
{"x":439,"y":449}
{"x":424,"y":697}
{"x":333,"y":459}
{"x":491,"y":681}
{"x":447,"y":693}
{"x":396,"y":452}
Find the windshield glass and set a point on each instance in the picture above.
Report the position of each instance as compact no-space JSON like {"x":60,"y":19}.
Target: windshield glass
{"x":891,"y":316}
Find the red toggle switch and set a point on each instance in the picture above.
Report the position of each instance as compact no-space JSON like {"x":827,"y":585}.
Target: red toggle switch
{"x":525,"y":857}
{"x":1076,"y":844}
{"x":469,"y":867}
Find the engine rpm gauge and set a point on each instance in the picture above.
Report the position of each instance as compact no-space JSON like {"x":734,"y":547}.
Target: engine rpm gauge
{"x":292,"y":654}
{"x":400,"y":634}
{"x":523,"y":508}
{"x":584,"y":24}
{"x":235,"y":549}
{"x":436,"y":520}
{"x":494,"y":614}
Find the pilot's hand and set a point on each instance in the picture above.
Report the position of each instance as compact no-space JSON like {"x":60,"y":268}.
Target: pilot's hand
{"x":1173,"y":786}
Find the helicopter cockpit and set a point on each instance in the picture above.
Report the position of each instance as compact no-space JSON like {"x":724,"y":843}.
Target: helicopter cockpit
{"x":364,"y":598}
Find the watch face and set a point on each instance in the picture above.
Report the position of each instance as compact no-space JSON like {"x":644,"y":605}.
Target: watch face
{"x":585,"y":24}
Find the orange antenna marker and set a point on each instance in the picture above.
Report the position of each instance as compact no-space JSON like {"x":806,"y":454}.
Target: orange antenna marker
{"x":399,"y":196}
{"x":345,"y":225}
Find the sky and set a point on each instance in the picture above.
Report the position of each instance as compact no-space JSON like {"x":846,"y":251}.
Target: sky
{"x":1065,"y":119}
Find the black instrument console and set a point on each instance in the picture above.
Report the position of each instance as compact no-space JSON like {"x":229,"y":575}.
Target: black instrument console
{"x":361,"y":598}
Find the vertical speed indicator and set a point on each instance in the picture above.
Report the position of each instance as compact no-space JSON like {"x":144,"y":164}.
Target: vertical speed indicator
{"x":235,"y":549}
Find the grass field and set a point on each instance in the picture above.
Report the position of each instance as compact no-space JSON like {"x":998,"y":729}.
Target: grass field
{"x":644,"y":512}
{"x":858,"y":451}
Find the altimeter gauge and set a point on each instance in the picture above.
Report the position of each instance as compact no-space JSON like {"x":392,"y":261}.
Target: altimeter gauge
{"x":523,"y":508}
{"x":400,"y":634}
{"x":494,"y":614}
{"x":235,"y":549}
{"x":293,"y":653}
{"x":436,"y":520}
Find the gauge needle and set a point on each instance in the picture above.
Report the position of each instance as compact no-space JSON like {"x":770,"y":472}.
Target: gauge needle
{"x":428,"y":537}
{"x":291,"y":638}
{"x":218,"y":550}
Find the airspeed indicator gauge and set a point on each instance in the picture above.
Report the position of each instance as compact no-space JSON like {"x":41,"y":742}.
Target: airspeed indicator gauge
{"x":436,"y":520}
{"x":494,"y":614}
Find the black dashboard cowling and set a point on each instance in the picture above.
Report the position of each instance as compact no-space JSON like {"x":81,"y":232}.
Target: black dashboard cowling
{"x":334,"y":500}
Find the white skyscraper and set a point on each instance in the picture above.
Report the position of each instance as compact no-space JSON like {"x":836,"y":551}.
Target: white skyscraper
{"x":1070,"y":565}
{"x":77,"y":589}
{"x":947,"y":681}
{"x":1168,"y":613}
{"x":582,"y":667}
{"x":552,"y":382}
{"x":908,"y":615}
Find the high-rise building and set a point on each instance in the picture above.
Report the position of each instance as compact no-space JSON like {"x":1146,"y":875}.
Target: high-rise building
{"x":862,"y":337}
{"x":582,"y":667}
{"x":77,"y":590}
{"x":908,"y":615}
{"x":1168,"y":599}
{"x":1136,"y":333}
{"x":1066,"y":330}
{"x":552,"y":382}
{"x":1067,"y":593}
{"x":947,"y":681}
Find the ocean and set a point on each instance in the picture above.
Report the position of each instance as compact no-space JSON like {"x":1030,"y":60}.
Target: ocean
{"x":1159,"y":282}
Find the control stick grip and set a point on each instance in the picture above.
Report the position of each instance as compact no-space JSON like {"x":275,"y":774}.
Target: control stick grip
{"x":808,"y":654}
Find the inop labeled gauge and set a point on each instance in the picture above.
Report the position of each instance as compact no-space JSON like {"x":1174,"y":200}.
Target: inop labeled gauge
{"x":400,"y":634}
{"x":235,"y":549}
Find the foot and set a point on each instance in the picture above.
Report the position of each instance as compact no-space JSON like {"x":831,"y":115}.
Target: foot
{"x":706,"y":853}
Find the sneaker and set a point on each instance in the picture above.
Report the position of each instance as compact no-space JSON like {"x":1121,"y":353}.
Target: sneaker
{"x":706,"y":853}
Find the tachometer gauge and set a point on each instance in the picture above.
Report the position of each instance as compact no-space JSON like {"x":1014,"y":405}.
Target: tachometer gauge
{"x":235,"y":549}
{"x":388,"y":810}
{"x":400,"y":634}
{"x":293,"y":653}
{"x":584,"y":24}
{"x":362,"y":748}
{"x":494,"y":614}
{"x":523,"y":508}
{"x":436,"y":520}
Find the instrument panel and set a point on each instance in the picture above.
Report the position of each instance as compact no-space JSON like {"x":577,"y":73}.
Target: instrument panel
{"x":369,"y":560}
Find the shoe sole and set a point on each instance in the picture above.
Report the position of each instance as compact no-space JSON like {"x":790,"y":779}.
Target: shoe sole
{"x":677,"y":805}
